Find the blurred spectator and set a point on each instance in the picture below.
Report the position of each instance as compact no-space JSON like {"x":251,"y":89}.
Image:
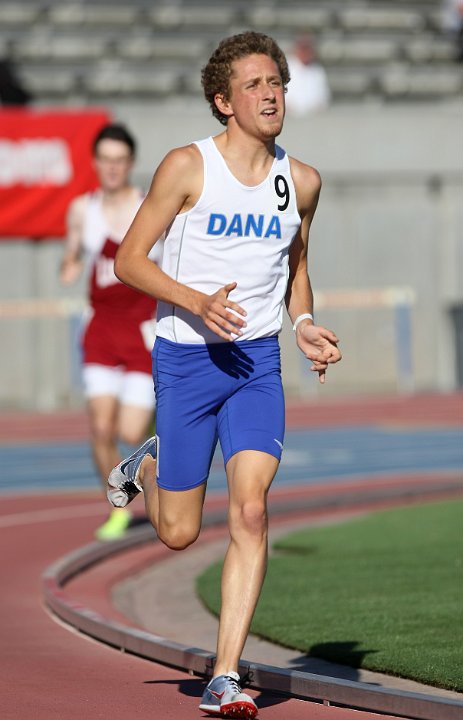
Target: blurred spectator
{"x":452,"y":23}
{"x":308,"y":89}
{"x":11,"y":90}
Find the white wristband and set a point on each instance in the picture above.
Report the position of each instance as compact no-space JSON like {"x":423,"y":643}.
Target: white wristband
{"x":304,"y":316}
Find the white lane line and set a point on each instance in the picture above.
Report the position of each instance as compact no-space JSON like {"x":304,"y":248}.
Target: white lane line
{"x":39,"y":516}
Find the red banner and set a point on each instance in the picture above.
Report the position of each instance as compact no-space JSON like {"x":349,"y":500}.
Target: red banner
{"x":45,"y":161}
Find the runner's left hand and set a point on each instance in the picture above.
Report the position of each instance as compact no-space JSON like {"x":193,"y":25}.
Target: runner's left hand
{"x":318,"y":345}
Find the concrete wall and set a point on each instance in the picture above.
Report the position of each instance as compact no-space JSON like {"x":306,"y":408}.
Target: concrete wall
{"x":390,"y":215}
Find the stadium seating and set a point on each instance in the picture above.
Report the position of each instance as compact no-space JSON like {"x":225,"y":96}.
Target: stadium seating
{"x":374,"y":49}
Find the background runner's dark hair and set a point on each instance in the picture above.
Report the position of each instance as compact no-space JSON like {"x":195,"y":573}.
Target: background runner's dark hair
{"x":115,"y":132}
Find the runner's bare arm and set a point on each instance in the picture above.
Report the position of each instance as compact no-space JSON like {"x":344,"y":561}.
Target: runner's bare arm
{"x":175,"y":188}
{"x":71,"y":264}
{"x":299,"y":297}
{"x":316,"y":342}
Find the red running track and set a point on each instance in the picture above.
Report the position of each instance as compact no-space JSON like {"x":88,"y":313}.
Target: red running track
{"x":52,"y":672}
{"x":428,"y":409}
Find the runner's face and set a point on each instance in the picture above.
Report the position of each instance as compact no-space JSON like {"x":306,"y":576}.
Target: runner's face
{"x":257,"y":95}
{"x":113,"y":163}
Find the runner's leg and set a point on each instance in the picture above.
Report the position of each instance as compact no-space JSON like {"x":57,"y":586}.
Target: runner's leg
{"x":136,"y":407}
{"x":102,"y":413}
{"x":249,"y":474}
{"x":175,"y":515}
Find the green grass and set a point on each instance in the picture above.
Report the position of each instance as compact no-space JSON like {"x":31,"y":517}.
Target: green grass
{"x":383,"y":592}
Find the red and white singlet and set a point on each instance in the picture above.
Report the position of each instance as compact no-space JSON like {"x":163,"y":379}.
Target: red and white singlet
{"x":121,"y":328}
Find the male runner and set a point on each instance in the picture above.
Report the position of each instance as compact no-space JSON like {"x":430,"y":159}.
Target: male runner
{"x":237,"y":212}
{"x":119,"y":333}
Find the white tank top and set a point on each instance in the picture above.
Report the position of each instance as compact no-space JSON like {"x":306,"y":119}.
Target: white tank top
{"x":96,"y":233}
{"x":234,"y":233}
{"x":95,"y":228}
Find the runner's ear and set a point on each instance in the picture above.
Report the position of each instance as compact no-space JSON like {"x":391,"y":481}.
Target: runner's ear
{"x":223,"y":105}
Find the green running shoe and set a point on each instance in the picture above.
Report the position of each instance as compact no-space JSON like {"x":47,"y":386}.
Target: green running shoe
{"x":115,"y":526}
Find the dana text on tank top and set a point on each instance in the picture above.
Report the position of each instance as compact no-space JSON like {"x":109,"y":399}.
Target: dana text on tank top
{"x":244,"y":226}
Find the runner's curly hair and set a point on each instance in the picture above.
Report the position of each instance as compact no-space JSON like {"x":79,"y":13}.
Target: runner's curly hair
{"x":215,"y":76}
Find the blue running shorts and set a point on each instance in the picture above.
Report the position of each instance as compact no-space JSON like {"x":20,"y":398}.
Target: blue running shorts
{"x":230,"y":392}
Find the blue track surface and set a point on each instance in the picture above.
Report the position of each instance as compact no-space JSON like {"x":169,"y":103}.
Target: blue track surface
{"x":310,"y":456}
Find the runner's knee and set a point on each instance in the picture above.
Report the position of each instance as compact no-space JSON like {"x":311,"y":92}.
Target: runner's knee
{"x":249,"y":517}
{"x":131,"y":437}
{"x":177,"y":536}
{"x":102,"y":431}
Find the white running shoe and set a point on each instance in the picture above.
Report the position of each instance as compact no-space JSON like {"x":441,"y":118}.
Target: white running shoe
{"x":223,"y":696}
{"x":123,"y":483}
